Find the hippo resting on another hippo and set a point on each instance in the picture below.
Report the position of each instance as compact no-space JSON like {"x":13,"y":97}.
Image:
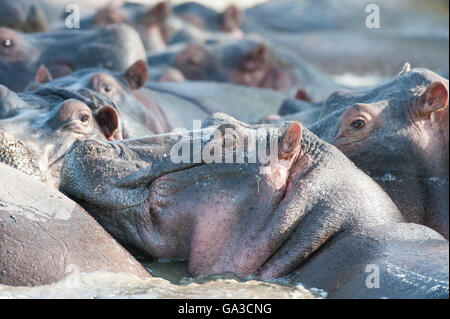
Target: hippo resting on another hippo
{"x":44,"y":236}
{"x":148,"y":108}
{"x":399,"y":134}
{"x":114,"y":47}
{"x":38,"y":127}
{"x":303,"y":209}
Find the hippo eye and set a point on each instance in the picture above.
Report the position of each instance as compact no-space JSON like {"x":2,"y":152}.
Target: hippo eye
{"x":358,"y":124}
{"x":107,"y":88}
{"x":84,"y":118}
{"x":7,"y":44}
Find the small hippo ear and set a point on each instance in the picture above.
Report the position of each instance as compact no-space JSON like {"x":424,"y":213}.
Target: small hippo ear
{"x":434,"y":99}
{"x":109,"y":121}
{"x":406,"y":68}
{"x":302,"y":95}
{"x":158,"y":13}
{"x":291,"y":140}
{"x":137,"y":74}
{"x":43,"y":75}
{"x":231,"y":18}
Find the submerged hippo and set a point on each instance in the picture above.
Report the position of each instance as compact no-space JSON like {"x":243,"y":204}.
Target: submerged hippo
{"x":301,"y":211}
{"x":41,"y":126}
{"x":398,"y":133}
{"x":247,"y":61}
{"x":23,"y":15}
{"x":44,"y":236}
{"x":114,"y":47}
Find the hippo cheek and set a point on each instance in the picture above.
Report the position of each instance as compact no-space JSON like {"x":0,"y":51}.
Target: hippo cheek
{"x":201,"y":214}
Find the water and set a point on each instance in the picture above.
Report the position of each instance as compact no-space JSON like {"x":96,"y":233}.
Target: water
{"x":176,"y":285}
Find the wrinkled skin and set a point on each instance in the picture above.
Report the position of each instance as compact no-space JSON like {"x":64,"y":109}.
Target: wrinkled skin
{"x":23,"y":15}
{"x":285,"y":216}
{"x":141,"y":115}
{"x":247,"y":61}
{"x":37,"y":128}
{"x":114,"y":47}
{"x":398,"y":133}
{"x":334,"y":37}
{"x":45,"y":236}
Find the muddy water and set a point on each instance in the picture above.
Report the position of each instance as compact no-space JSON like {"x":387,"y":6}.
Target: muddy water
{"x":176,"y":284}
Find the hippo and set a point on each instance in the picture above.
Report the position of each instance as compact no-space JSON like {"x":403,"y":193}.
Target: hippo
{"x":45,"y":236}
{"x":23,"y":15}
{"x":141,"y":115}
{"x":114,"y":47}
{"x":37,"y":128}
{"x":150,"y":21}
{"x":398,"y":134}
{"x":249,"y":61}
{"x":301,"y":211}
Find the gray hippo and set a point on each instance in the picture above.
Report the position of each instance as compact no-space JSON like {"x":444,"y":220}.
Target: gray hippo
{"x":141,"y":115}
{"x":398,"y":134}
{"x":23,"y":15}
{"x":303,"y":209}
{"x":249,"y":61}
{"x":114,"y":47}
{"x":43,"y":124}
{"x":44,"y":236}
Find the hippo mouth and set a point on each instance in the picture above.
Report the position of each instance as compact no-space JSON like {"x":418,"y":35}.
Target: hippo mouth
{"x":14,"y":153}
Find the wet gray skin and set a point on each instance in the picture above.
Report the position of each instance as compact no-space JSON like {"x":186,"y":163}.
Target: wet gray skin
{"x":141,"y":114}
{"x":249,"y":61}
{"x":45,"y":236}
{"x":245,"y":218}
{"x":398,"y":134}
{"x":23,"y":15}
{"x":114,"y":47}
{"x":334,"y":37}
{"x":35,"y":135}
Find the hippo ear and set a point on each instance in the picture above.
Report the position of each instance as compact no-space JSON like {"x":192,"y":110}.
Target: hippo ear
{"x":109,"y":121}
{"x":231,"y":18}
{"x":434,"y":99}
{"x":137,"y":74}
{"x":406,"y":68}
{"x":291,"y":140}
{"x":158,"y":13}
{"x":43,"y":75}
{"x":302,"y":95}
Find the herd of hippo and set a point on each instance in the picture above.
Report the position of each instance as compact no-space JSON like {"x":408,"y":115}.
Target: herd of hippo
{"x":90,"y":116}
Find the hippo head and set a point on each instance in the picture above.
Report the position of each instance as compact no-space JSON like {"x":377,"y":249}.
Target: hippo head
{"x":205,"y":18}
{"x":23,"y":15}
{"x":151,"y":23}
{"x":120,"y":87}
{"x":398,"y":133}
{"x":115,"y":47}
{"x":245,"y":62}
{"x":224,"y":214}
{"x":37,"y":132}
